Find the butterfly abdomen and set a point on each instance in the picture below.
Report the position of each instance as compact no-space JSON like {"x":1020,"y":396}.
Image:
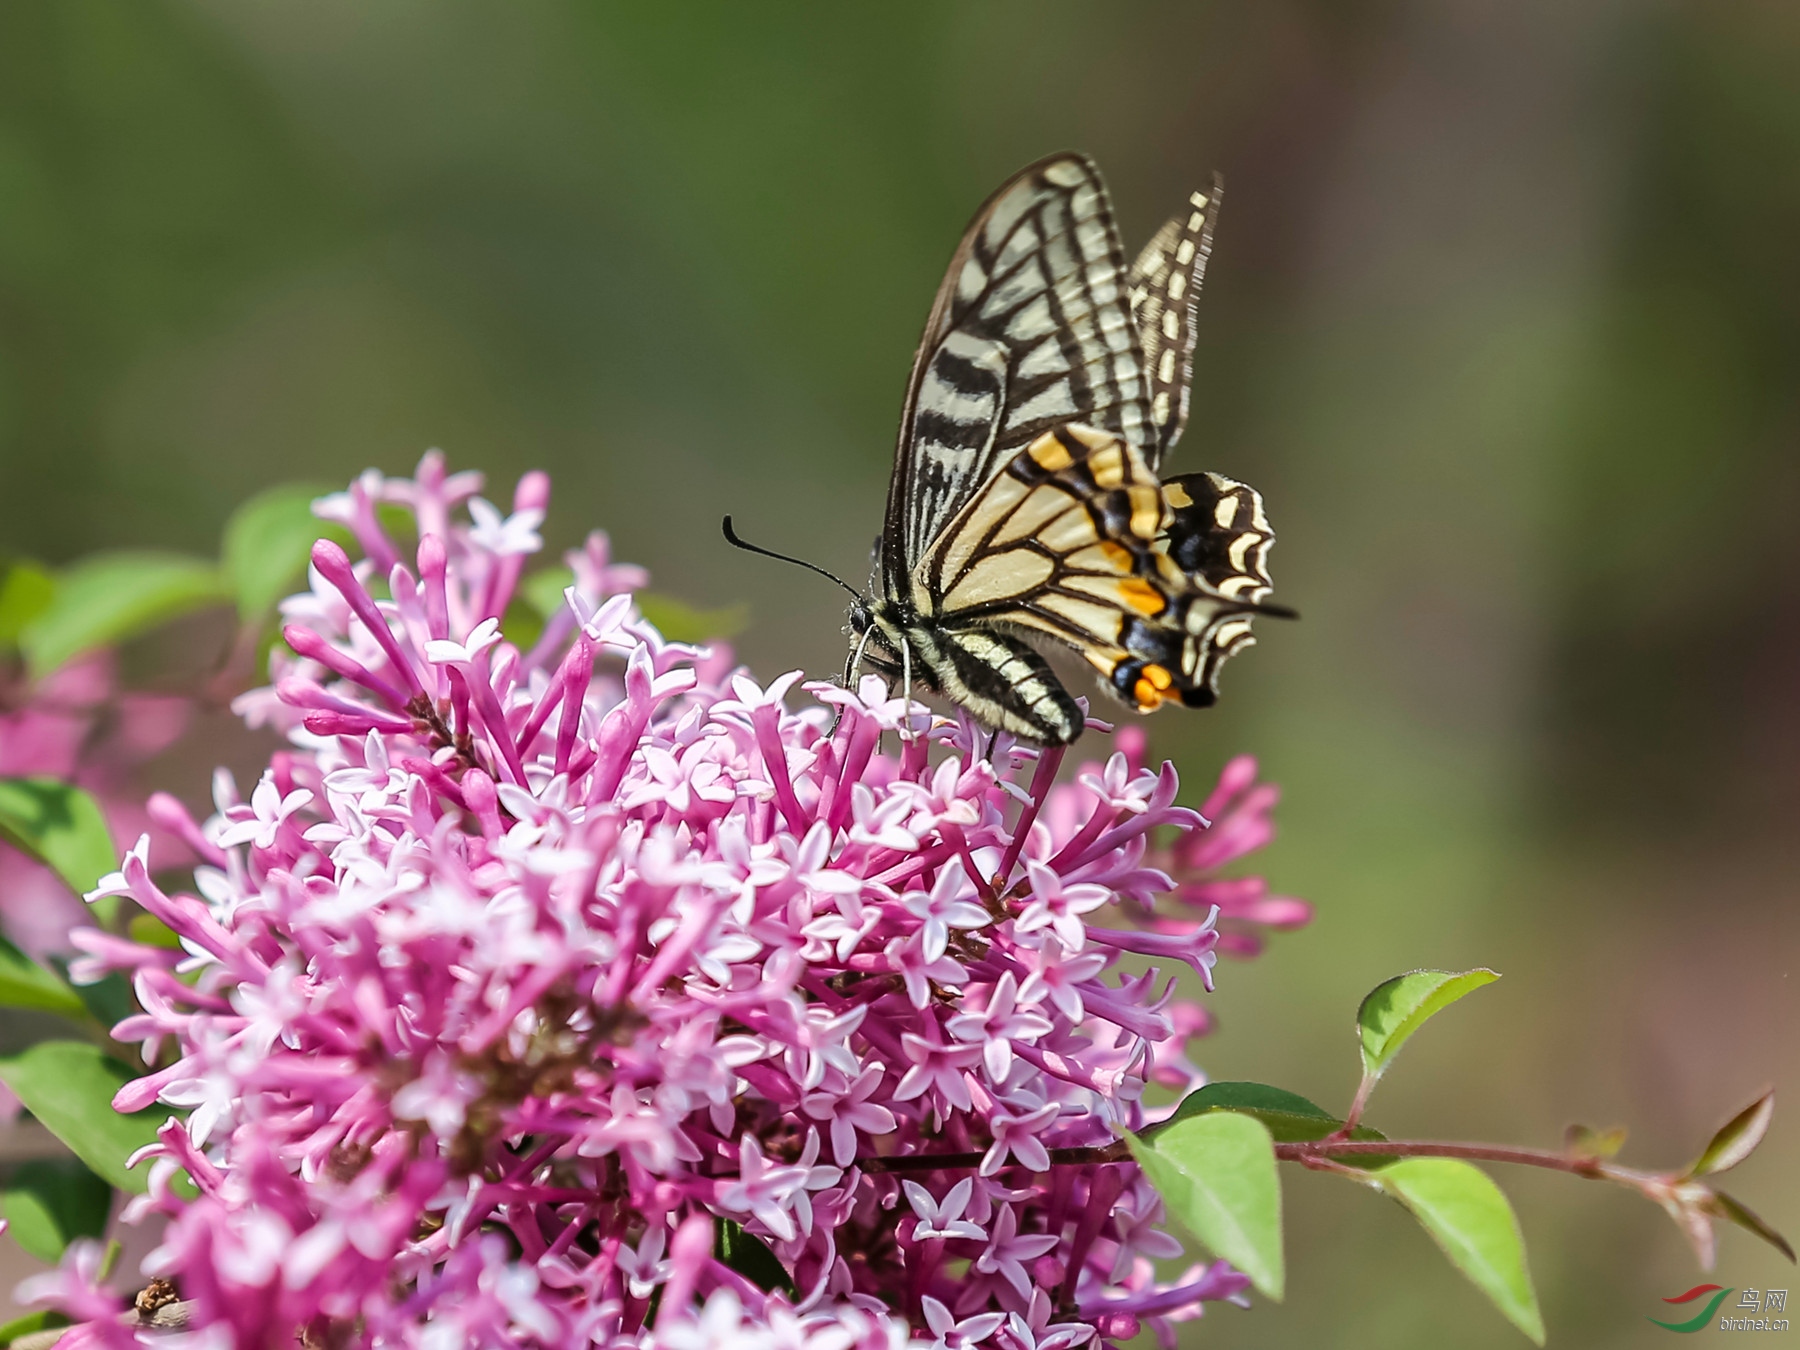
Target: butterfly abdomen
{"x":997,"y":677}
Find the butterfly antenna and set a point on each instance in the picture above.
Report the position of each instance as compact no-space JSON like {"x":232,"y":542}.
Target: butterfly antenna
{"x":732,"y":539}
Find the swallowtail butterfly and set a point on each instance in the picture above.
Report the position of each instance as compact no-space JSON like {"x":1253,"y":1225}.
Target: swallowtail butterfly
{"x":1025,"y":501}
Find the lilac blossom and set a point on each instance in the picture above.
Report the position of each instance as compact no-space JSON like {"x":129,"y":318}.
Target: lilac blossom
{"x":526,"y":969}
{"x":1241,"y":812}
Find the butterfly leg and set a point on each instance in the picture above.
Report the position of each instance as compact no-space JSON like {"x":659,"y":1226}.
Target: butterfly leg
{"x":852,"y":666}
{"x":906,"y":689}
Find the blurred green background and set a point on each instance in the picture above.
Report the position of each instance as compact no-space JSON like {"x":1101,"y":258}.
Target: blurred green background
{"x":1504,"y":320}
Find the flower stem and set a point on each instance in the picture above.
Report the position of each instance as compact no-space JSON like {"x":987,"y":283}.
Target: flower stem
{"x":1311,"y":1151}
{"x":953,"y":1162}
{"x":1319,"y":1154}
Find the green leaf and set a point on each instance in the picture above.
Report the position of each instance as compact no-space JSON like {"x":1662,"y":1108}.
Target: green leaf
{"x":24,"y":594}
{"x":60,"y":825}
{"x":105,"y":599}
{"x":1467,"y":1216}
{"x":400,"y":526}
{"x":544,"y":590}
{"x":152,"y":932}
{"x":750,"y":1257}
{"x":26,"y":984}
{"x":69,"y":1087}
{"x":679,"y":621}
{"x":1735,"y":1212}
{"x":1398,"y":1007}
{"x":1579,"y":1141}
{"x":1289,"y":1118}
{"x":522,"y":624}
{"x":1737,"y":1138}
{"x":42,"y":1320}
{"x":267,"y":544}
{"x":108,"y":999}
{"x":1216,"y":1173}
{"x":675,"y":619}
{"x":51,"y":1202}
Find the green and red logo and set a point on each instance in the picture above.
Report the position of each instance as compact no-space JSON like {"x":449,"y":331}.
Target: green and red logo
{"x":1719,"y":1293}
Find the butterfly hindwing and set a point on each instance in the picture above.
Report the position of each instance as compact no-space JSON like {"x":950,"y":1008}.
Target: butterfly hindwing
{"x":1031,"y":329}
{"x":1164,"y":287}
{"x":1218,"y":531}
{"x":1218,"y":534}
{"x":1067,"y":540}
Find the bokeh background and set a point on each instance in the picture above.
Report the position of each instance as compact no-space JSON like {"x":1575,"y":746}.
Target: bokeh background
{"x":1504,"y":320}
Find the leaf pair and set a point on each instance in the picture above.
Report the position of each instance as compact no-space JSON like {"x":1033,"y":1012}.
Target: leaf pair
{"x":1213,"y":1162}
{"x":1458,"y":1204}
{"x":1694,"y":1203}
{"x":109,"y":598}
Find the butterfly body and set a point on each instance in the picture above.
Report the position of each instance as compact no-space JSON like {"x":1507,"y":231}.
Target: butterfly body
{"x":1025,"y":503}
{"x":1002,"y":681}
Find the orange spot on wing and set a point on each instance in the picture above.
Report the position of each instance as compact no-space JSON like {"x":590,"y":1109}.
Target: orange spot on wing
{"x":1108,"y":466}
{"x":1150,"y":687}
{"x":1143,"y":597}
{"x":1049,"y":453}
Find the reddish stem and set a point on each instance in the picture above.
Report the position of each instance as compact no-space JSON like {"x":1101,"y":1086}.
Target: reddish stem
{"x":1312,"y":1153}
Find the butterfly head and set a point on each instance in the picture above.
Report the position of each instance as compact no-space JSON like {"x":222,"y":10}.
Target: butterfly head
{"x":886,"y":637}
{"x":861,"y":617}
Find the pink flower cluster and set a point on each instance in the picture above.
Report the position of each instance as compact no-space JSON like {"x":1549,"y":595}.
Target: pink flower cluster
{"x":530,"y":985}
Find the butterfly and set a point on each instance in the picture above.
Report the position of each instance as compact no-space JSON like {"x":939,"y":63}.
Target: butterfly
{"x":1025,"y":503}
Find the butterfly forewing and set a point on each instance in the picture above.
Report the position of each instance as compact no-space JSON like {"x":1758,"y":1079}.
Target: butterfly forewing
{"x":1031,"y":329}
{"x":1164,"y":286}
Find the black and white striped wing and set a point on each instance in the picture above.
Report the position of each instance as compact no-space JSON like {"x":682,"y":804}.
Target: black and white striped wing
{"x":1031,"y":329}
{"x":1164,"y":286}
